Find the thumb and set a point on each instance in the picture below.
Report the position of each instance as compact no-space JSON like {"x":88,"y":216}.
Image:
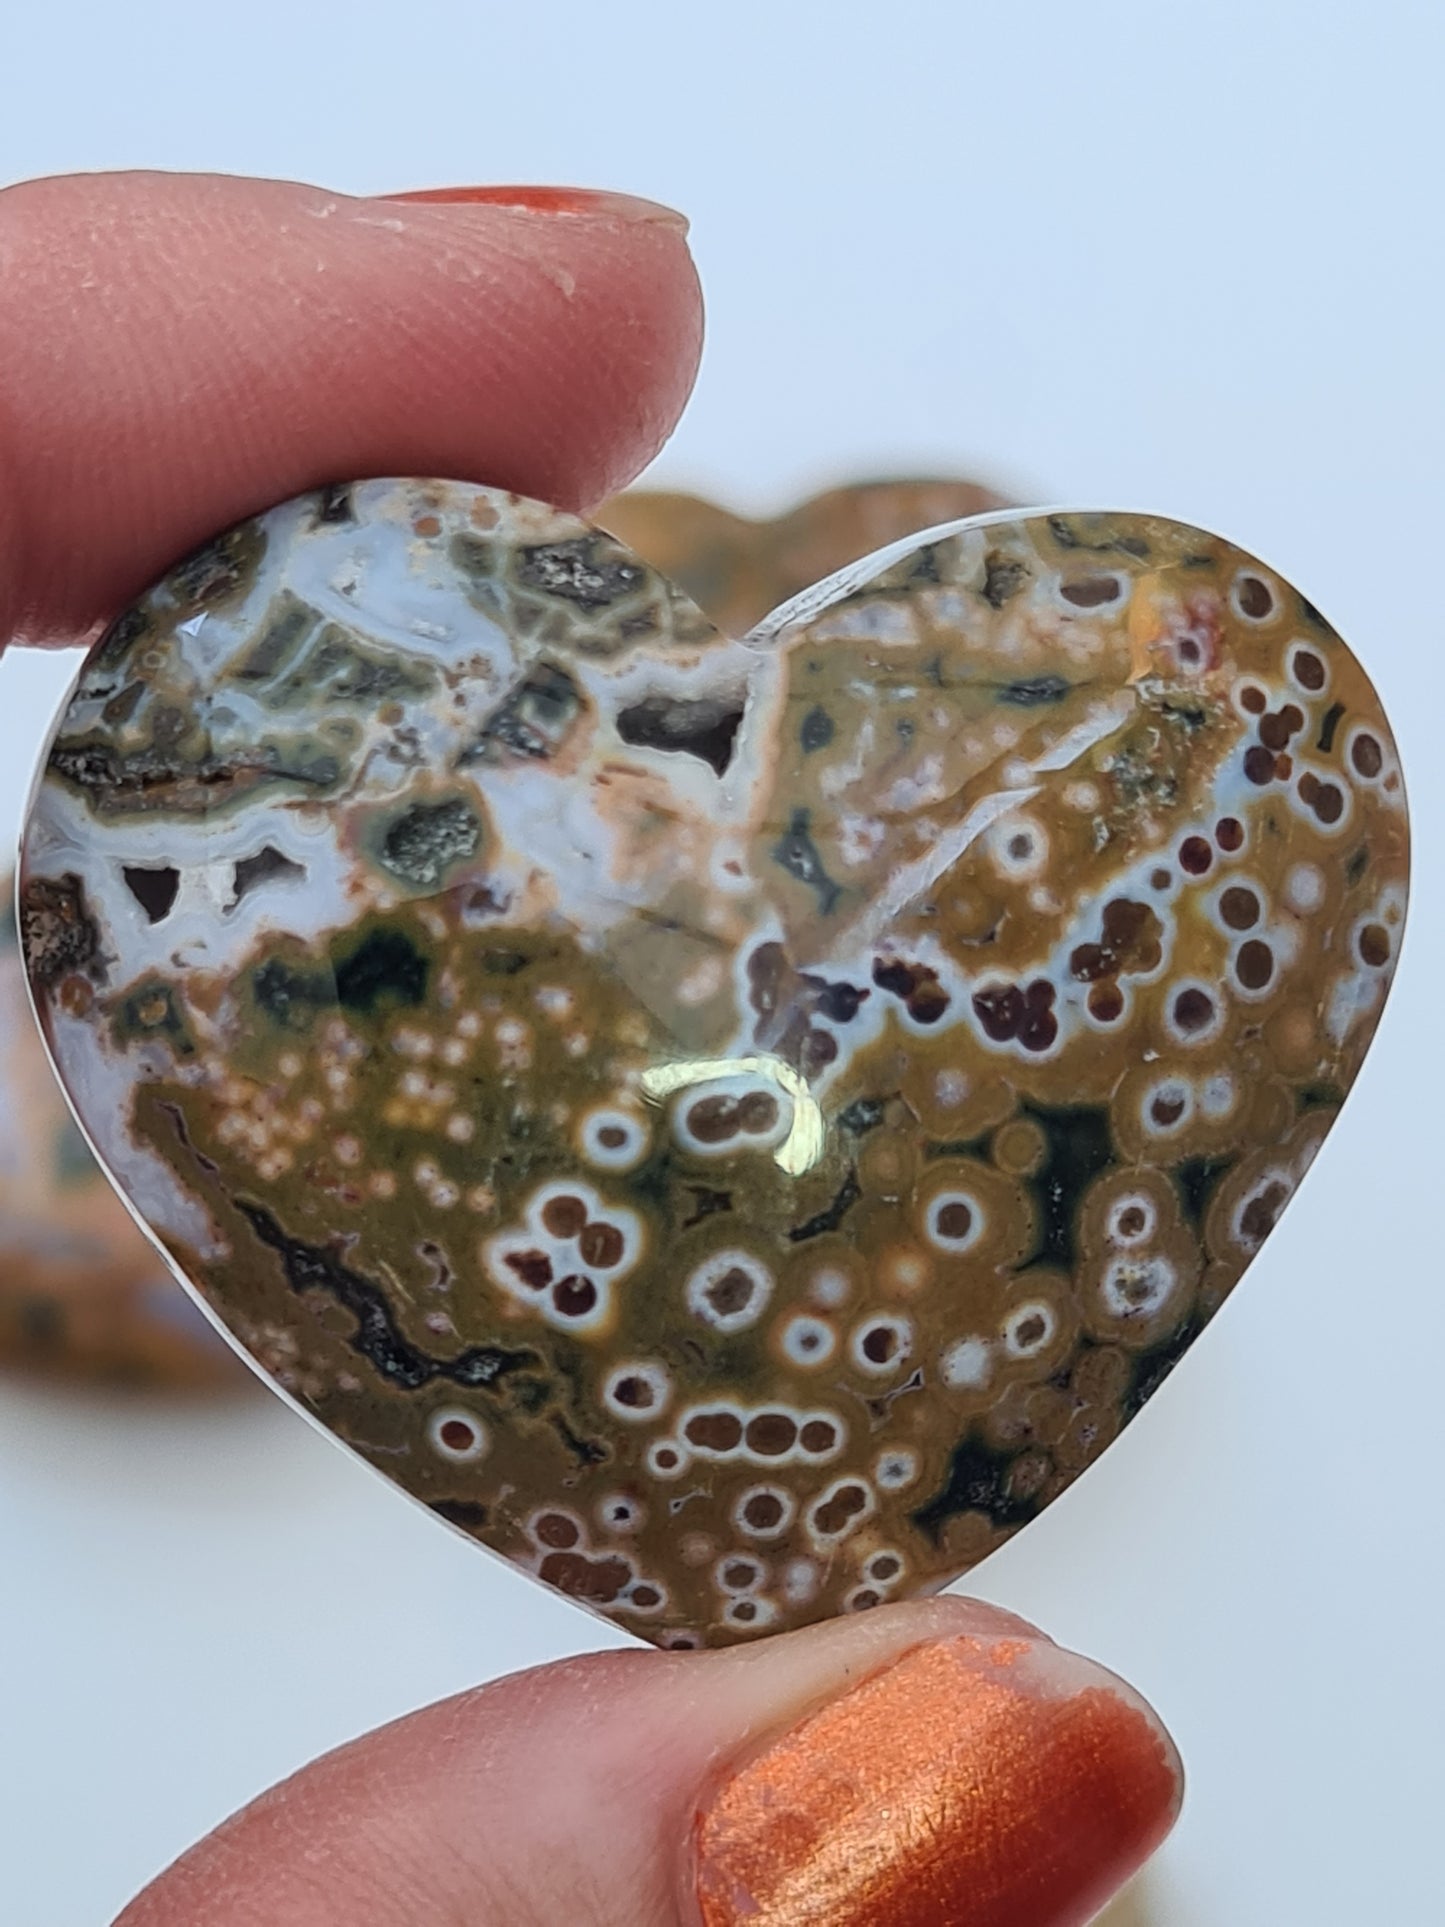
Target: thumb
{"x":178,"y":351}
{"x":932,"y":1765}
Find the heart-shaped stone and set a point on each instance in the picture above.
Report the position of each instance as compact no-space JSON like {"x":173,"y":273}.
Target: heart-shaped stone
{"x":736,"y":1126}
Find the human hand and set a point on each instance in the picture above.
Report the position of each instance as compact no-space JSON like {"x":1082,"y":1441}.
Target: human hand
{"x":180,"y":353}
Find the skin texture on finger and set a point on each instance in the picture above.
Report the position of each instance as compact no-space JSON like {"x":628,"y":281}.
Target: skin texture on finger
{"x":631,"y":1790}
{"x":178,"y":352}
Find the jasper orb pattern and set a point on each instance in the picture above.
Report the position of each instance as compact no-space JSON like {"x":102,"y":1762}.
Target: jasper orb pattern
{"x":735,"y":1125}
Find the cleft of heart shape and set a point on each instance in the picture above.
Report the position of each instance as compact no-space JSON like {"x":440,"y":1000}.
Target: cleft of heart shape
{"x":735,"y":1125}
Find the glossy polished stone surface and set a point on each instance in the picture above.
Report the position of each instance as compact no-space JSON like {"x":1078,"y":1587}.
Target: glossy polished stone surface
{"x":82,"y":1293}
{"x":736,"y":1126}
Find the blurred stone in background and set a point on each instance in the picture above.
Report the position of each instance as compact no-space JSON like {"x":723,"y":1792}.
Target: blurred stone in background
{"x":738,"y":570}
{"x":83,"y":1295}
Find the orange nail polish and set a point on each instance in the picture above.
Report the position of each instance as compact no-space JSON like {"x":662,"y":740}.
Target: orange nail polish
{"x":595,"y":202}
{"x":970,"y":1784}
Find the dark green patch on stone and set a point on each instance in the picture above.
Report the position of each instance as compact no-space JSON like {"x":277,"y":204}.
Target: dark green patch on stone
{"x":150,"y":1010}
{"x":119,"y":640}
{"x":1080,"y":1147}
{"x":796,"y":853}
{"x":339,"y":668}
{"x":533,"y":720}
{"x":1320,"y":1097}
{"x":1332,"y":719}
{"x":1081,"y":532}
{"x":385,"y":966}
{"x":291,"y":997}
{"x":219,"y":573}
{"x":470,"y":1514}
{"x":284,"y":625}
{"x":1196,"y":1181}
{"x":863,"y":1114}
{"x":977,"y":1481}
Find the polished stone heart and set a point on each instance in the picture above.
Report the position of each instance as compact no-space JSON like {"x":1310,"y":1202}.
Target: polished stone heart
{"x":736,"y":1126}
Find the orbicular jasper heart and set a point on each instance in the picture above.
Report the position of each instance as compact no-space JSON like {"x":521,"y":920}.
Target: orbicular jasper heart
{"x":736,"y":1126}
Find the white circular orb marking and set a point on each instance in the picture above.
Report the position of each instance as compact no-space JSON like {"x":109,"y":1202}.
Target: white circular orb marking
{"x":457,"y":1435}
{"x":967,"y":1365}
{"x":613,"y":1140}
{"x":955,"y":1221}
{"x":729,"y":1290}
{"x":808,"y":1341}
{"x":1136,"y":1288}
{"x":637,"y":1392}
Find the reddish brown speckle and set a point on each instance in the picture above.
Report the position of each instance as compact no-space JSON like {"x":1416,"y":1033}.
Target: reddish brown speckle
{"x":1195,"y":855}
{"x":771,"y":1434}
{"x":1375,"y":945}
{"x":1193,"y":1010}
{"x":1239,"y":907}
{"x":574,"y":1297}
{"x":1366,"y":755}
{"x":1254,"y":966}
{"x":564,"y":1217}
{"x":1309,"y":671}
{"x":954,"y":1220}
{"x":602,"y":1245}
{"x":556,"y":1530}
{"x":714,"y":1431}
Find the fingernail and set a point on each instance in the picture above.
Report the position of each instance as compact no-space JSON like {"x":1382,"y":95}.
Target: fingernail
{"x":597,"y":203}
{"x":971,"y":1783}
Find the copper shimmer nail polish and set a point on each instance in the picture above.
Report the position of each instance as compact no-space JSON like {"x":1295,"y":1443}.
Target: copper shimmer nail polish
{"x":972,"y":1783}
{"x":598,"y":203}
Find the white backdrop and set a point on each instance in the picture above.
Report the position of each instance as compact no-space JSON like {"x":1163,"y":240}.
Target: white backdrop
{"x":1175,"y":255}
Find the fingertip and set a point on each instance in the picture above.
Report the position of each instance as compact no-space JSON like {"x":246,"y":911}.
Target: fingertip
{"x":979,"y":1779}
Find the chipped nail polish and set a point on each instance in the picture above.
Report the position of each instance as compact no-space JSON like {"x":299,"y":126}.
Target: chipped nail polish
{"x":598,"y":203}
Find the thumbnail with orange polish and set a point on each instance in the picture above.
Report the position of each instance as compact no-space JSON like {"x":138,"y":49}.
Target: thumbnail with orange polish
{"x":960,"y":1787}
